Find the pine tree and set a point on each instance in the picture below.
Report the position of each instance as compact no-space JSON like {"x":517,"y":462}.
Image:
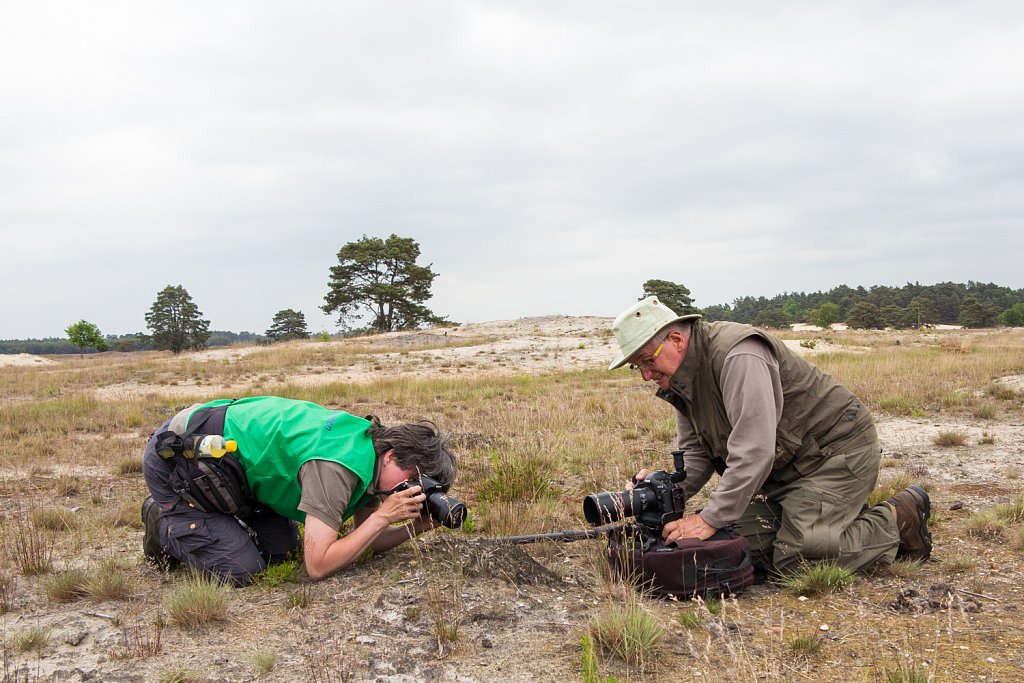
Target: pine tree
{"x":176,"y":322}
{"x":288,"y":324}
{"x":380,"y":278}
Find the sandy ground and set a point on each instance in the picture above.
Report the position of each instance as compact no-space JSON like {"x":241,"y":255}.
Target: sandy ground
{"x":503,"y":347}
{"x":23,"y":359}
{"x":516,"y":613}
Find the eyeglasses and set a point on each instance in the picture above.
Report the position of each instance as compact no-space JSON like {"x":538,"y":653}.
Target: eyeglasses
{"x":646,"y":364}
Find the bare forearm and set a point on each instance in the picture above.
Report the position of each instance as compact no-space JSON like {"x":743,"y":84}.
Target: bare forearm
{"x":324,"y":555}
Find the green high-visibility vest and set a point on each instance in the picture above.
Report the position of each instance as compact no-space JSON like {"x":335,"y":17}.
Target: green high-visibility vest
{"x":276,"y":436}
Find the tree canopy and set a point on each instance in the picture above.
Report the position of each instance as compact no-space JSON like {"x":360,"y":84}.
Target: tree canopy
{"x":288,"y":324}
{"x":912,"y":305}
{"x":674,"y":295}
{"x":823,"y":316}
{"x":176,"y":322}
{"x":864,"y":316}
{"x":380,"y":278}
{"x":85,"y":335}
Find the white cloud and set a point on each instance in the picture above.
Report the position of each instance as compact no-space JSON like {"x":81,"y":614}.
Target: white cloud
{"x":549,"y":158}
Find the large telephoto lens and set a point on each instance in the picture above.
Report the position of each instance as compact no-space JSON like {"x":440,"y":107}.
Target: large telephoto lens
{"x":450,"y":512}
{"x":608,"y":506}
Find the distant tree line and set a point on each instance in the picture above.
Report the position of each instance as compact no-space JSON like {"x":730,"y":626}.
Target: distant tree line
{"x":974,"y":304}
{"x":137,"y":341}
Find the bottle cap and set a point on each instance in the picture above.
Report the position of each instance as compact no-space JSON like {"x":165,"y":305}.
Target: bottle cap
{"x":231,"y":445}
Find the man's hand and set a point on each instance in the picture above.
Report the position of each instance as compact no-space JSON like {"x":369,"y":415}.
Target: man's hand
{"x":640,"y":476}
{"x":691,"y":526}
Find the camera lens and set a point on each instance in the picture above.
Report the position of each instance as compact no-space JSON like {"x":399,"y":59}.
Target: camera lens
{"x":608,"y":506}
{"x":450,"y":512}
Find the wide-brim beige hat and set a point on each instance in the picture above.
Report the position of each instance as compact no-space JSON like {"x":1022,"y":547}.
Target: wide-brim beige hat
{"x":640,"y":323}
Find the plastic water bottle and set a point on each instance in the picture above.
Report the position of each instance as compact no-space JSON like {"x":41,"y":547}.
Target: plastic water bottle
{"x":215,"y":446}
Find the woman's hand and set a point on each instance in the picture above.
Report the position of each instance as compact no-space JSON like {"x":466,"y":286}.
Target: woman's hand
{"x":402,"y":505}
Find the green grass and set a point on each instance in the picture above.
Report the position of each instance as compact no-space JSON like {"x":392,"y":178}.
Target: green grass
{"x":1012,"y":512}
{"x":34,"y":638}
{"x":818,"y":579}
{"x":263,"y":661}
{"x":626,"y":631}
{"x":689,"y":619}
{"x":958,"y":562}
{"x":806,"y":646}
{"x":986,"y":524}
{"x":889,"y":487}
{"x":277,"y":574}
{"x":180,"y":675}
{"x":54,"y":519}
{"x":589,"y":663}
{"x":108,"y":581}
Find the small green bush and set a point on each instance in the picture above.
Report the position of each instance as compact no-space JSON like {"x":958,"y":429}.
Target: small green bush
{"x":818,"y":579}
{"x":276,"y":574}
{"x":806,"y":646}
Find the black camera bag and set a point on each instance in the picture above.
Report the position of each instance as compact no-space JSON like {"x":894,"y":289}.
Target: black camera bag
{"x":719,"y":566}
{"x":206,"y":483}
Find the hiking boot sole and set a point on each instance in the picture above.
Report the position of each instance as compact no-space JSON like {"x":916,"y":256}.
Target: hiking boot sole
{"x":924,"y":536}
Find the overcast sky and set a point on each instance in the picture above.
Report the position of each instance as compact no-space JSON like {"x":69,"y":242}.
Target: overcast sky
{"x":549,"y":157}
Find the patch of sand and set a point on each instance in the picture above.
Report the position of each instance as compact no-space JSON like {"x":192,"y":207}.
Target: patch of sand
{"x":24,"y":359}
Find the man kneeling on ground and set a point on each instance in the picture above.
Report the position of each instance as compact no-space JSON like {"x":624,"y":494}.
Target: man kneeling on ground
{"x":304,"y":463}
{"x":796,"y":451}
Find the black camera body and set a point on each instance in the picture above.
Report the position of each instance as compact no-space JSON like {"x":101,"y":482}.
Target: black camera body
{"x":444,"y":509}
{"x":655,"y":501}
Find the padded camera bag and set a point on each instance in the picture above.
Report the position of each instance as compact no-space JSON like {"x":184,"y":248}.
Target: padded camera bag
{"x":719,"y":566}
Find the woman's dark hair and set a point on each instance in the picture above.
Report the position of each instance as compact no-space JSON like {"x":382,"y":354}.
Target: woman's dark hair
{"x":418,"y":446}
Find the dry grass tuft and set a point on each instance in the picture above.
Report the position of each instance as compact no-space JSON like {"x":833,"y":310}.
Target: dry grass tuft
{"x":8,"y":590}
{"x":66,"y":586}
{"x":108,"y":581}
{"x":951,"y":438}
{"x":198,"y":600}
{"x":31,"y":548}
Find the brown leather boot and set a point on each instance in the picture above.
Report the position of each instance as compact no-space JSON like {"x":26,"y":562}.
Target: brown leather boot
{"x":913,"y":508}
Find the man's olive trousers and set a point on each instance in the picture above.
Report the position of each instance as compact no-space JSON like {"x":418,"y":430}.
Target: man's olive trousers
{"x":823,"y":516}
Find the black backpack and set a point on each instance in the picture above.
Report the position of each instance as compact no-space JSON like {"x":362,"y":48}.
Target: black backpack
{"x":683,"y":569}
{"x":210,"y":484}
